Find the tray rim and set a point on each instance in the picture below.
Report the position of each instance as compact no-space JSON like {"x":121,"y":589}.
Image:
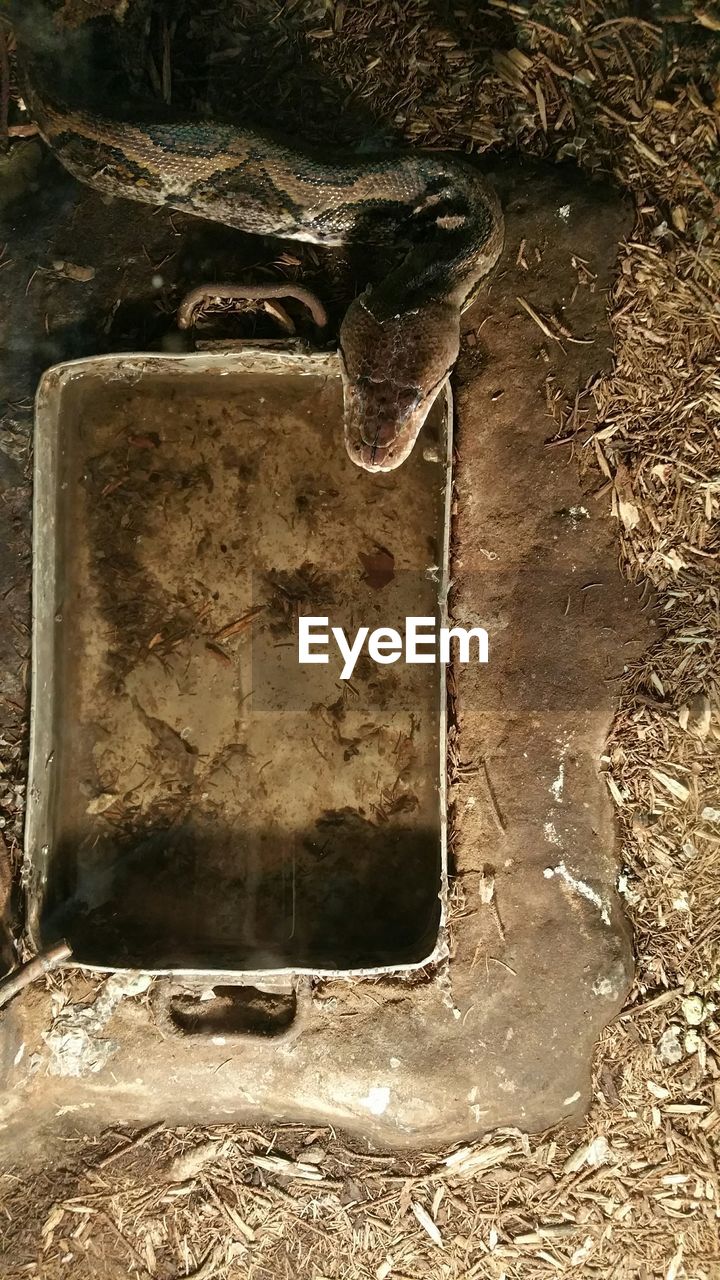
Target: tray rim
{"x":129,"y":367}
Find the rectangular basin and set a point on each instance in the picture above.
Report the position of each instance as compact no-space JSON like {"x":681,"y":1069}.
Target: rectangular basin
{"x":200,"y":803}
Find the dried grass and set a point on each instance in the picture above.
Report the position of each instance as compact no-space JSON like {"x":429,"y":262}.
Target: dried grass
{"x":635,"y":1194}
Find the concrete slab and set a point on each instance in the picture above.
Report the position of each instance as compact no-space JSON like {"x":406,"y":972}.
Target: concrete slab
{"x":539,"y":954}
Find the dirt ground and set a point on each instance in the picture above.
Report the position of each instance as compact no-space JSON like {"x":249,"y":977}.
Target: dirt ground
{"x":632,"y":90}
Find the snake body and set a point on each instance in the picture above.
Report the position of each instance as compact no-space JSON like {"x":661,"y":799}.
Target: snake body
{"x":399,"y":339}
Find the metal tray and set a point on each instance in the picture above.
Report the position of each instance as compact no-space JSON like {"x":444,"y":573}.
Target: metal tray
{"x":198,"y":803}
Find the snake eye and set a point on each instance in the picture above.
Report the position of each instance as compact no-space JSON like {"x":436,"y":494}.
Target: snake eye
{"x":408,"y":398}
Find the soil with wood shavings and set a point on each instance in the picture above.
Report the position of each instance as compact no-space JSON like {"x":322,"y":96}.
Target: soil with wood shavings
{"x":631,"y":89}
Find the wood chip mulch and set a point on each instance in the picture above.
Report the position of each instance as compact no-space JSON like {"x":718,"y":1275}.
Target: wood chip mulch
{"x":635,"y":1194}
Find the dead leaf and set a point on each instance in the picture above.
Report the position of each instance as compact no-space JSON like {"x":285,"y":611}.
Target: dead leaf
{"x":73,"y":271}
{"x":101,"y":803}
{"x":379,"y":567}
{"x":190,"y":1163}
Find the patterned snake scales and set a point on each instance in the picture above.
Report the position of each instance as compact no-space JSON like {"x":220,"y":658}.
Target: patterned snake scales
{"x":399,"y":339}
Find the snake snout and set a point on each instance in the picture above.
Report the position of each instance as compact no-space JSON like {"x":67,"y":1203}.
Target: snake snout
{"x":382,"y":422}
{"x":392,"y":368}
{"x":378,"y":436}
{"x":384,"y":411}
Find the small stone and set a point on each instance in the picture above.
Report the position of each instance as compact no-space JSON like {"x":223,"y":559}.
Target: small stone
{"x":669,"y":1046}
{"x":692,"y":1042}
{"x":314,"y":1154}
{"x":693,"y":1010}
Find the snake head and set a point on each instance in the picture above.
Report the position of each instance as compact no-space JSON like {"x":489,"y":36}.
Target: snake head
{"x":393,"y":369}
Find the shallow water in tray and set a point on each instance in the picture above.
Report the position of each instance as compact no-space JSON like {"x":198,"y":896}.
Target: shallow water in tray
{"x":216,"y":804}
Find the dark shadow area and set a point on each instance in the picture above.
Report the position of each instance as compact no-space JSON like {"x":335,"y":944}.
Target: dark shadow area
{"x":343,"y":894}
{"x":232,"y":63}
{"x":233,"y":1011}
{"x":229,"y":61}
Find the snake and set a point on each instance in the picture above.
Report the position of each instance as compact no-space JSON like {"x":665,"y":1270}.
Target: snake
{"x":400,"y":338}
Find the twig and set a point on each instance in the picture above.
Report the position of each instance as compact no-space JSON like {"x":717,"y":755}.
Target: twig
{"x":635,"y":1010}
{"x":240,"y":624}
{"x":556,"y":334}
{"x":22,"y":131}
{"x":213,"y":1261}
{"x":21,"y":978}
{"x":131,"y":1145}
{"x":552,"y":444}
{"x":626,"y":22}
{"x":538,"y":320}
{"x":166,"y":65}
{"x":139,"y":1260}
{"x":494,"y":806}
{"x":4,"y":87}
